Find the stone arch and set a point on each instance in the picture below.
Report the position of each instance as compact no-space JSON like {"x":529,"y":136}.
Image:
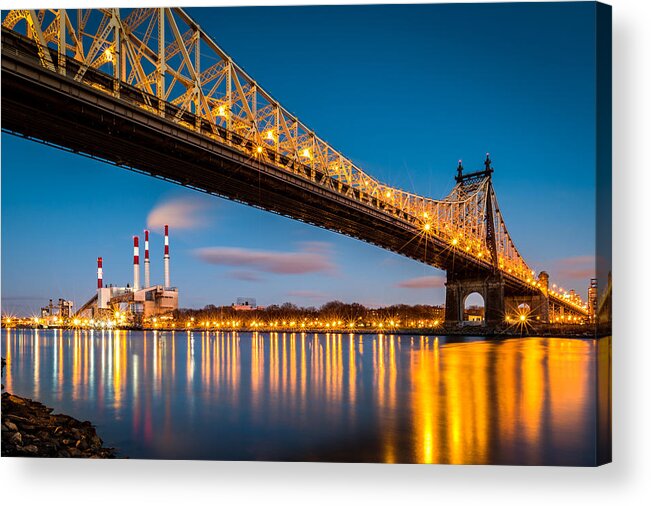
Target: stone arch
{"x":459,"y":286}
{"x":474,"y":308}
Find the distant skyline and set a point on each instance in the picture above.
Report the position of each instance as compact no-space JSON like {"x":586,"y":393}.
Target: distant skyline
{"x":404,"y":91}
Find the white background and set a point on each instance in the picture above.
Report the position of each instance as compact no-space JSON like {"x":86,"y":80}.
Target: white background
{"x":626,"y":481}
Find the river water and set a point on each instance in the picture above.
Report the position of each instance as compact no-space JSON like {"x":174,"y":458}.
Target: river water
{"x":322,"y":397}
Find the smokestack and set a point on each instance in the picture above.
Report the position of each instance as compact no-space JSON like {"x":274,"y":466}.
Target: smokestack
{"x":136,"y":264}
{"x":166,"y":258}
{"x":100,"y":274}
{"x":147,"y":259}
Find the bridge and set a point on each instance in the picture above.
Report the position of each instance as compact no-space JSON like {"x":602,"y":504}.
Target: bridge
{"x":150,"y":91}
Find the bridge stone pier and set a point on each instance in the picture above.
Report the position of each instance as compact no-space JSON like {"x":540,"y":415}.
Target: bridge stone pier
{"x":460,"y":285}
{"x":499,"y":299}
{"x":534,"y":306}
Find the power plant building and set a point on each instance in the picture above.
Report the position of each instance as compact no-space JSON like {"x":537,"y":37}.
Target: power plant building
{"x":139,"y":301}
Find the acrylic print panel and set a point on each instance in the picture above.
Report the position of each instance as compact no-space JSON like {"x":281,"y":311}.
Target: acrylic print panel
{"x":388,"y":239}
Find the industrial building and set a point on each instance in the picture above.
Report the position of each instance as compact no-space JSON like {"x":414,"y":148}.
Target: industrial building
{"x":246,"y":304}
{"x":52,"y":313}
{"x":138,"y":301}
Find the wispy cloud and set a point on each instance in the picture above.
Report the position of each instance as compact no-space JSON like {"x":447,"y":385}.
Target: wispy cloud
{"x":308,"y":294}
{"x":245,"y":275}
{"x":312,"y":257}
{"x":188,"y":211}
{"x":578,"y":267}
{"x":423,"y":282}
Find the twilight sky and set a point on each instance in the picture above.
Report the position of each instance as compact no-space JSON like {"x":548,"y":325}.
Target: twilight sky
{"x":404,"y":91}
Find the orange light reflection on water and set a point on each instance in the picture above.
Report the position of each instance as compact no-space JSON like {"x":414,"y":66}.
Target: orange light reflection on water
{"x":472,"y":402}
{"x":402,"y":399}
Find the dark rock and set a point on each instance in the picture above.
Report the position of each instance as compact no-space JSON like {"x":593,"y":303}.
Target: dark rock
{"x":28,"y":438}
{"x":30,"y":430}
{"x":16,"y":400}
{"x":74,"y":452}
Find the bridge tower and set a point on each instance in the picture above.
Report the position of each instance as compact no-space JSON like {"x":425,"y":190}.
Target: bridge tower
{"x":488,"y":279}
{"x":464,"y":279}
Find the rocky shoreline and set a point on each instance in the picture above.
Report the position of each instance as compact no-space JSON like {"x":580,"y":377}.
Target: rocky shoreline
{"x":29,"y":429}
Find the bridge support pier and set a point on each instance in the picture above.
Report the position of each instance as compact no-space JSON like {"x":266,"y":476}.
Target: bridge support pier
{"x":534,"y":307}
{"x":459,"y":286}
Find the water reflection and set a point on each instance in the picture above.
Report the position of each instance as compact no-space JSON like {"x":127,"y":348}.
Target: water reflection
{"x":296,"y":396}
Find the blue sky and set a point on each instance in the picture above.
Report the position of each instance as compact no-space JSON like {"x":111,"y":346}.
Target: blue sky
{"x":404,"y":91}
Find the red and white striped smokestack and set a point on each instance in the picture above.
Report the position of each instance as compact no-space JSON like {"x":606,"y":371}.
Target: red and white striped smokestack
{"x":147,"y":259}
{"x":100,"y":274}
{"x":166,"y":258}
{"x":136,"y":264}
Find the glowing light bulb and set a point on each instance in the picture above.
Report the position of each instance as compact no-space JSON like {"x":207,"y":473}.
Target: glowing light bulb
{"x":427,"y":227}
{"x":259,"y":150}
{"x":455,"y":242}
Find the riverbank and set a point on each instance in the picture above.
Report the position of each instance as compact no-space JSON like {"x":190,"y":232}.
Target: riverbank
{"x":29,"y":429}
{"x":539,"y":330}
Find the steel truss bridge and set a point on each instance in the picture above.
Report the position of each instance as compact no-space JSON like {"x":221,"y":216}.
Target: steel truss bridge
{"x":149,"y":90}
